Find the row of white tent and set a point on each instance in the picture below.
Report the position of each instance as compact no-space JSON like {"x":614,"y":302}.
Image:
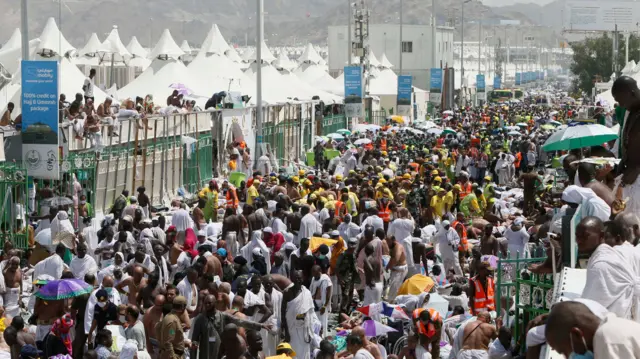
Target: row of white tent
{"x":216,"y":67}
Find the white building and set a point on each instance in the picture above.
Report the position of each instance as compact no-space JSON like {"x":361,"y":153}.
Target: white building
{"x":385,"y":39}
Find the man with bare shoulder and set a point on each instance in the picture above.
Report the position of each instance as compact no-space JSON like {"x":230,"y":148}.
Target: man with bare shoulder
{"x":477,"y":336}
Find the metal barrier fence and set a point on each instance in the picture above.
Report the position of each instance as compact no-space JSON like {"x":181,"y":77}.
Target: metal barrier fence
{"x":377,"y":118}
{"x":333,"y":123}
{"x":13,"y":194}
{"x":288,"y":131}
{"x":532,"y":293}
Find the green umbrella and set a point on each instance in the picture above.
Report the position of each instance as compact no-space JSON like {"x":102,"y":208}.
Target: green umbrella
{"x":344,"y":132}
{"x":580,"y":136}
{"x":449,"y":131}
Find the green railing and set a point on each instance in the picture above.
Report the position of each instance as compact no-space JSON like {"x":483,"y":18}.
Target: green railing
{"x":198,"y":168}
{"x":333,"y":123}
{"x":307,"y":140}
{"x":533,"y":293}
{"x":13,"y":194}
{"x":376,"y":118}
{"x":285,"y":139}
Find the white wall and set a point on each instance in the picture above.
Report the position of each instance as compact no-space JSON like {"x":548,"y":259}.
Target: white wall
{"x":385,"y":39}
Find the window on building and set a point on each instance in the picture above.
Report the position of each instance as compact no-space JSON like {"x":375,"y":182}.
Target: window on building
{"x":407,"y":46}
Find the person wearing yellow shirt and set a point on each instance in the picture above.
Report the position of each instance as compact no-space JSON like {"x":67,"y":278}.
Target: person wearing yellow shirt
{"x":438,"y":203}
{"x":233,"y":164}
{"x":252,"y":192}
{"x":210,"y":196}
{"x":451,"y":197}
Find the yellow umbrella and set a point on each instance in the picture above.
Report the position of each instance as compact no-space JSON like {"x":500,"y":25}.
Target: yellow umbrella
{"x":397,"y":119}
{"x":416,"y":285}
{"x":316,"y":242}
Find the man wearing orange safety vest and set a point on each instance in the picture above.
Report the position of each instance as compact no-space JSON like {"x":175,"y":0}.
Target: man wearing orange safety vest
{"x":384,"y":211}
{"x":428,"y":325}
{"x":229,"y":192}
{"x":461,"y":229}
{"x":481,"y":291}
{"x":465,"y":185}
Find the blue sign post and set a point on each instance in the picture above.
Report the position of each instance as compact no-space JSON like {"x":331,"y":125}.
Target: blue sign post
{"x":404,"y":95}
{"x":353,"y":106}
{"x":518,"y":78}
{"x":481,"y":88}
{"x":435,"y":86}
{"x":40,"y":118}
{"x":497,"y":83}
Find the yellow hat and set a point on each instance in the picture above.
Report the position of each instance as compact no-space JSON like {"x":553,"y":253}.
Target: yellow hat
{"x":256,"y":183}
{"x":384,"y":153}
{"x":312,"y":196}
{"x":458,"y":187}
{"x":307,"y":182}
{"x":487,"y":178}
{"x":382,"y":181}
{"x":286,"y":346}
{"x":438,"y":179}
{"x":296,"y":179}
{"x":352,"y":172}
{"x":301,"y":173}
{"x":402,"y":191}
{"x":338,"y":177}
{"x":406,"y":176}
{"x":434,"y":172}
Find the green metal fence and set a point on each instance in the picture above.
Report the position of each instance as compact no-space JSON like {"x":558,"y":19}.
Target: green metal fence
{"x":13,"y":194}
{"x":333,"y":123}
{"x":533,"y":293}
{"x":198,"y":169}
{"x":376,"y":118}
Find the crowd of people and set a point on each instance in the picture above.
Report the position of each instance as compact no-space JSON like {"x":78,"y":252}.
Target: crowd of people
{"x":305,"y":264}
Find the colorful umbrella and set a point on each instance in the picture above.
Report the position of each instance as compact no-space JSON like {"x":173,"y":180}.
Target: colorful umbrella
{"x":416,"y":285}
{"x":316,"y":242}
{"x":448,"y":131}
{"x":63,"y":289}
{"x":383,"y":308}
{"x":182,"y":89}
{"x":344,"y":132}
{"x":397,"y":119}
{"x":579,"y":136}
{"x":374,"y":329}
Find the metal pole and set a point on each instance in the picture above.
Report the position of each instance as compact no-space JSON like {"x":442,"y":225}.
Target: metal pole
{"x":434,"y":29}
{"x":24,"y":25}
{"x":626,"y":48}
{"x":462,"y":50}
{"x":259,"y":40}
{"x":400,"y":73}
{"x":60,"y":29}
{"x":349,"y":44}
{"x":479,"y":44}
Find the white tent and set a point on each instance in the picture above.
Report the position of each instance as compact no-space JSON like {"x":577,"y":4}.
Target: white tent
{"x":385,"y":63}
{"x":232,"y":54}
{"x":283,"y":62}
{"x":277,"y":88}
{"x":166,"y":46}
{"x":114,"y":46}
{"x":248,"y":55}
{"x":310,"y":55}
{"x":316,"y":76}
{"x":214,"y":42}
{"x":215,"y":73}
{"x":185,"y":47}
{"x":72,"y":84}
{"x":52,"y":40}
{"x":267,"y":55}
{"x":373,"y":61}
{"x":157,"y":78}
{"x":10,"y":58}
{"x":92,"y":47}
{"x":307,"y":91}
{"x":14,"y":41}
{"x":135,"y":49}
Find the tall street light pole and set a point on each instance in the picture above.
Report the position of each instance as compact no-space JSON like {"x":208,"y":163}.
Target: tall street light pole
{"x":434,"y":27}
{"x":349,"y":44}
{"x":462,"y":50}
{"x":400,"y":73}
{"x":259,"y":39}
{"x":24,"y":25}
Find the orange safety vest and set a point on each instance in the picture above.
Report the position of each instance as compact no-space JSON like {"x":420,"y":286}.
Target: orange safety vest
{"x":440,"y":142}
{"x":516,"y":163}
{"x":383,"y":144}
{"x":339,"y":207}
{"x":434,"y":316}
{"x":483,"y":299}
{"x":465,"y":190}
{"x":464,"y":243}
{"x":232,"y":201}
{"x":384,"y":213}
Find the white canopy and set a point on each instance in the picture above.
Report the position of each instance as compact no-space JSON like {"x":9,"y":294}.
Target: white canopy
{"x":166,"y":46}
{"x":155,"y":80}
{"x":283,"y":62}
{"x":274,"y":85}
{"x":52,"y":40}
{"x":373,"y":61}
{"x":14,"y":41}
{"x":248,"y":55}
{"x":316,"y":76}
{"x":267,"y":55}
{"x":185,"y":47}
{"x":305,"y":90}
{"x":214,"y":43}
{"x":232,"y":54}
{"x":10,"y":58}
{"x":310,"y":55}
{"x":113,"y":45}
{"x":385,"y":63}
{"x":93,"y":46}
{"x":215,"y":73}
{"x":136,"y":49}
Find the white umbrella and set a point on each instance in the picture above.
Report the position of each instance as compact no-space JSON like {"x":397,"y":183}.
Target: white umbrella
{"x":427,"y":125}
{"x":514,"y":133}
{"x":335,"y":136}
{"x":435,"y":131}
{"x":362,"y":141}
{"x":364,"y":127}
{"x":447,"y":112}
{"x":415,"y":131}
{"x":512,"y":128}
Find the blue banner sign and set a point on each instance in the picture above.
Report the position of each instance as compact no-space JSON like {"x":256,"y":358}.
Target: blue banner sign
{"x":404,"y":95}
{"x":353,"y":91}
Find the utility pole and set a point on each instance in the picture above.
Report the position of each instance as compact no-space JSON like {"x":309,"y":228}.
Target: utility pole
{"x":400,"y":73}
{"x":434,"y":28}
{"x":24,"y":29}
{"x":259,"y":39}
{"x":479,"y":44}
{"x":349,"y":43}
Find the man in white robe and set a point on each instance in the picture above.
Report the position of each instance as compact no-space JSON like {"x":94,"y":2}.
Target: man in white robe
{"x":82,"y":263}
{"x":61,"y":223}
{"x":592,"y":205}
{"x":320,"y":289}
{"x":298,"y":315}
{"x":256,"y":242}
{"x":273,"y":335}
{"x":448,"y":241}
{"x":611,"y":280}
{"x":53,"y":265}
{"x":187,"y":288}
{"x":348,"y":229}
{"x":309,"y":225}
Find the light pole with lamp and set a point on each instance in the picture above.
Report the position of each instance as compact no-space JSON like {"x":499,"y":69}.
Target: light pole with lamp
{"x":462,"y":45}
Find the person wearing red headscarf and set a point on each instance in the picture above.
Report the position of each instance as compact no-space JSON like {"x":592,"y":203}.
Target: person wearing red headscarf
{"x":274,"y":241}
{"x":58,"y":341}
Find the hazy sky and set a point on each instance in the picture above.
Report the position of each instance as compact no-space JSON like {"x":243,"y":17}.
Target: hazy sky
{"x":512,"y":2}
